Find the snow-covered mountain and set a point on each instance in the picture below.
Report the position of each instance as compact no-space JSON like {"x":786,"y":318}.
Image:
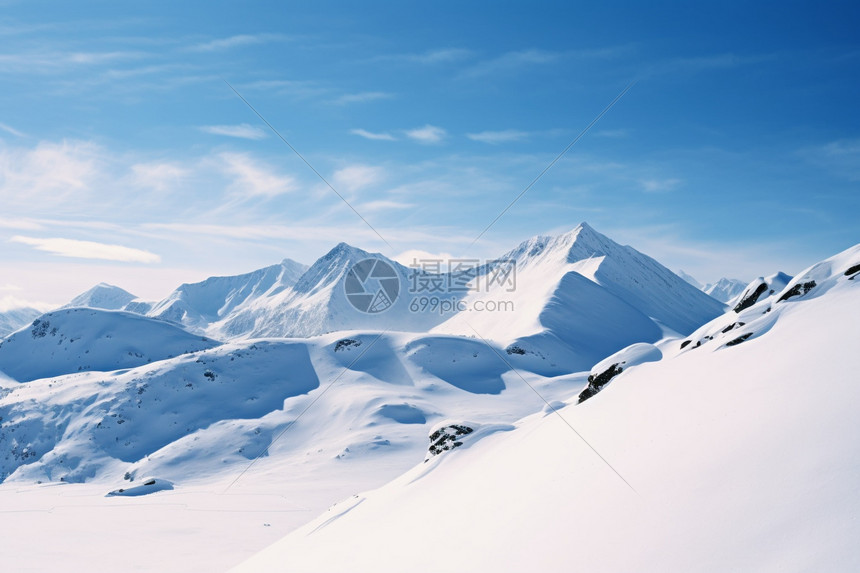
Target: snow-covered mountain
{"x":579,"y":297}
{"x":198,"y":306}
{"x":83,"y":339}
{"x":690,"y":279}
{"x":103,"y":296}
{"x":735,"y":450}
{"x":14,"y":318}
{"x":725,"y":290}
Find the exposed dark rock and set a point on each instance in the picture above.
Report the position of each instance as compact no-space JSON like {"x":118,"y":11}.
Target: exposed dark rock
{"x":852,"y":271}
{"x":685,"y":344}
{"x":751,"y":298}
{"x":799,"y":289}
{"x":739,"y":339}
{"x":514,"y":349}
{"x":448,"y":438}
{"x":596,"y":383}
{"x":346,"y":343}
{"x":732,"y":325}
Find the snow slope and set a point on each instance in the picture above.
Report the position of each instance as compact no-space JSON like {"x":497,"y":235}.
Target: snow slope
{"x":82,"y":339}
{"x":734,"y":457}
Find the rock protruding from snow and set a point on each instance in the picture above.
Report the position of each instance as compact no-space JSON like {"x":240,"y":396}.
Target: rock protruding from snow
{"x":448,"y":435}
{"x":146,"y":487}
{"x":612,"y":366}
{"x":759,"y":289}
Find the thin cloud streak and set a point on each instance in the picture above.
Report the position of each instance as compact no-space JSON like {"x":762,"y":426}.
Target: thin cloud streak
{"x":242,"y":131}
{"x":88,"y":250}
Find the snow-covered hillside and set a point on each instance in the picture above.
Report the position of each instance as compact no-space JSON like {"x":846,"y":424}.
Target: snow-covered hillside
{"x":736,"y":452}
{"x":196,"y":414}
{"x":83,"y":339}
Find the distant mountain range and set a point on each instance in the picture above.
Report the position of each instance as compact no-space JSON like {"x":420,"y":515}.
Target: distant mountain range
{"x":724,"y":290}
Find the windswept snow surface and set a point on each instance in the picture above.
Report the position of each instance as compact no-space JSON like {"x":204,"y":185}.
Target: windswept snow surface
{"x":734,"y":457}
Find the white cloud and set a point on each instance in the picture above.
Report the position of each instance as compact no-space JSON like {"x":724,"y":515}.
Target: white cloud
{"x":88,"y":249}
{"x":439,"y":56}
{"x":496,"y":137}
{"x":371,"y":135}
{"x":612,"y":133}
{"x":252,"y":178}
{"x":11,"y":130}
{"x":243,"y":131}
{"x":362,"y":97}
{"x":512,"y":61}
{"x":659,"y":185}
{"x":236,"y":41}
{"x":56,"y":169}
{"x":384,"y":204}
{"x":354,"y":177}
{"x":427,"y":134}
{"x":9,"y":287}
{"x":9,"y":302}
{"x":840,"y":158}
{"x":157,"y":175}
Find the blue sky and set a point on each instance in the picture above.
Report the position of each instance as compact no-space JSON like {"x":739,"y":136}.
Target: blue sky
{"x":124,"y":157}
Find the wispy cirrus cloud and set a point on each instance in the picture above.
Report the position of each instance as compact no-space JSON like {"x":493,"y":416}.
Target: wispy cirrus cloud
{"x":361,"y":97}
{"x":385,"y":204}
{"x":158,"y":175}
{"x":11,"y":130}
{"x":373,"y":135}
{"x":252,"y":178}
{"x":242,"y":131}
{"x":429,"y":134}
{"x":429,"y":57}
{"x":56,"y":169}
{"x":659,"y":185}
{"x":840,"y":158}
{"x":355,"y":177}
{"x":88,"y":249}
{"x":512,"y":61}
{"x":497,"y":137}
{"x":236,"y":41}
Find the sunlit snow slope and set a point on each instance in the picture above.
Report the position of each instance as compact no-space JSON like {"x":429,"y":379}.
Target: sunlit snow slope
{"x":739,"y":452}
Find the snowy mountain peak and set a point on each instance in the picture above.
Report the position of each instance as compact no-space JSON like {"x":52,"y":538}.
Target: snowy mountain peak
{"x":104,"y":296}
